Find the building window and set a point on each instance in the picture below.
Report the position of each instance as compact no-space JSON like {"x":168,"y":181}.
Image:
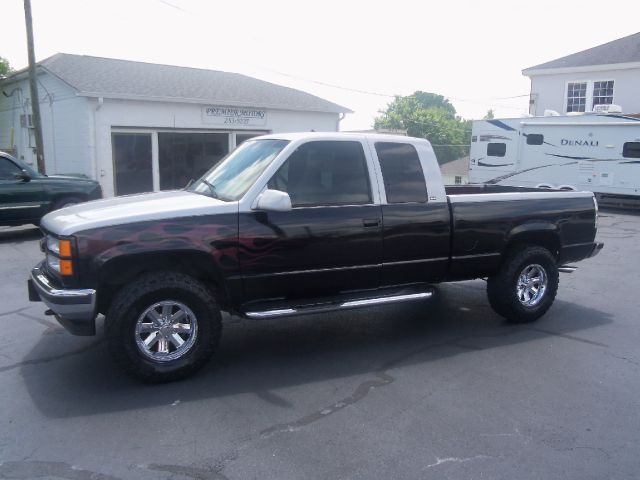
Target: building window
{"x":603,"y":93}
{"x":132,"y":163}
{"x":496,"y":149}
{"x":576,"y":97}
{"x":631,"y":150}
{"x":458,"y":180}
{"x":183,"y":157}
{"x":535,"y":139}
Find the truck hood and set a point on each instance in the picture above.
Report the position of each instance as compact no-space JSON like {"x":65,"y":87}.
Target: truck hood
{"x":132,"y":209}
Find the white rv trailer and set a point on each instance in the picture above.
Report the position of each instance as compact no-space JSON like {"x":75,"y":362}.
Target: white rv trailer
{"x":595,"y":152}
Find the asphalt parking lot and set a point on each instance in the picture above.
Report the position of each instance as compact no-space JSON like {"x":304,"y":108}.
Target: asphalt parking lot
{"x":438,"y":389}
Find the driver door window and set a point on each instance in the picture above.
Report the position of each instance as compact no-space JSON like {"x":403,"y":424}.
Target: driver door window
{"x":8,"y":169}
{"x":325,"y":174}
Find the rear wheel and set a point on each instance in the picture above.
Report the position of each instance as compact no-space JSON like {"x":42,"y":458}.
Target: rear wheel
{"x":163,"y":326}
{"x":526,"y":285}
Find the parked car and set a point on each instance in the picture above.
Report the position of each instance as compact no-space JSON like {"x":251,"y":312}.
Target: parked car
{"x":25,"y":195}
{"x":290,"y":224}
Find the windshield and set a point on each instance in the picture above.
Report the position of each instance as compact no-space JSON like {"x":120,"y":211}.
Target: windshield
{"x":231,"y":178}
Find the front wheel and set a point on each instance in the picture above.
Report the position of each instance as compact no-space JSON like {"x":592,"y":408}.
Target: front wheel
{"x":163,"y":326}
{"x":526,"y":285}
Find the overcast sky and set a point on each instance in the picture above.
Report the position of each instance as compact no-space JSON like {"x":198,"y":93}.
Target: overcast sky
{"x":470,"y":51}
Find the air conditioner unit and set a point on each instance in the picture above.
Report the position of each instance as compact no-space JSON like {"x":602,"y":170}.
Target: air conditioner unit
{"x":607,"y":108}
{"x":26,"y":121}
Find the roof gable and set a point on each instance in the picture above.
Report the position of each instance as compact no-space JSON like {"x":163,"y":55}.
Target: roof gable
{"x":622,"y":50}
{"x":96,"y":76}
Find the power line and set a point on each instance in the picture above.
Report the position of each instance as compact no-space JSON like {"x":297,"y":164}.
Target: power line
{"x":388,"y":95}
{"x":358,"y":90}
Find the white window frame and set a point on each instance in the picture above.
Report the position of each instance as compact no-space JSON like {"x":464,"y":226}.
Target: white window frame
{"x":588,"y":106}
{"x":588,"y":88}
{"x":612,"y":93}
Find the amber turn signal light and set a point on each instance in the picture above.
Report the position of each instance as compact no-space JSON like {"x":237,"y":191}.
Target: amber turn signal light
{"x":66,"y":266}
{"x":65,"y":248}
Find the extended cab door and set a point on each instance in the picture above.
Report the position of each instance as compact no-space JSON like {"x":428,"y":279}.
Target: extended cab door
{"x":415,"y":213}
{"x":20,"y":199}
{"x":331,"y":240}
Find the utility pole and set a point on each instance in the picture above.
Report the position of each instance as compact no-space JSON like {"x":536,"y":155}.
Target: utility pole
{"x":33,"y":84}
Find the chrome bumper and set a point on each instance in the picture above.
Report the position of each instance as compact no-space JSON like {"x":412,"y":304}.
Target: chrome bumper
{"x":75,"y":309}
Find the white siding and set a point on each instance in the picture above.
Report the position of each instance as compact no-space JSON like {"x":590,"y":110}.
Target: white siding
{"x":65,"y":130}
{"x":77,"y":130}
{"x":551,"y":90}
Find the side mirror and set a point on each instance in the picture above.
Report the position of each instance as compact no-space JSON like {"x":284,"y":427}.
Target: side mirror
{"x":274,"y":200}
{"x":22,"y":176}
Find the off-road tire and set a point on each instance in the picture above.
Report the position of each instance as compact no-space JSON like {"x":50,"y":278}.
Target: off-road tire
{"x":134,"y":298}
{"x":502,"y":287}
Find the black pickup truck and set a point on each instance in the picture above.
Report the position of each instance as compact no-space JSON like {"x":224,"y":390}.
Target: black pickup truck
{"x":26,"y":196}
{"x":299,"y":223}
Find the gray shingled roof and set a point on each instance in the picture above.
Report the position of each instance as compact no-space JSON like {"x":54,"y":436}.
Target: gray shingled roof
{"x":459,"y":166}
{"x":149,"y":81}
{"x":622,"y":50}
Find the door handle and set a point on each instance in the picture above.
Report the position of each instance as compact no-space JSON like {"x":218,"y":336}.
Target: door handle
{"x":371,"y":222}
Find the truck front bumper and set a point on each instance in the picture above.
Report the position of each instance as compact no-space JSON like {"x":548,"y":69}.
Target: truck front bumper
{"x":75,"y":309}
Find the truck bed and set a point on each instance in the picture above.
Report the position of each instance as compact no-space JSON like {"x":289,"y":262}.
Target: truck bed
{"x":485,"y":219}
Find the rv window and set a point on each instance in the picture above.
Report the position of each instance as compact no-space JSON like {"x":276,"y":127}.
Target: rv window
{"x":631,"y":150}
{"x":496,"y":149}
{"x":535,"y":139}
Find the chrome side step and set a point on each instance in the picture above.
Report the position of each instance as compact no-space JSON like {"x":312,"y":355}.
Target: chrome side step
{"x":284,"y":312}
{"x":567,"y":269}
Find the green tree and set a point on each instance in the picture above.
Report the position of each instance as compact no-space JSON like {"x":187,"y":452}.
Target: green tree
{"x":5,"y":68}
{"x":430,"y":116}
{"x":490,"y":115}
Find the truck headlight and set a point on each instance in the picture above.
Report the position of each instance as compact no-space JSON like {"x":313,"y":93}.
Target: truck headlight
{"x":59,"y":255}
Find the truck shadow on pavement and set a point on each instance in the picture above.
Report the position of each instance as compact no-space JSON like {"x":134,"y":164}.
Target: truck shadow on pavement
{"x":262,"y":356}
{"x":19,"y":234}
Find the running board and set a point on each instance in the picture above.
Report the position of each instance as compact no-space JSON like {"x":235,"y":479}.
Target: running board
{"x":567,"y":269}
{"x":366,"y":302}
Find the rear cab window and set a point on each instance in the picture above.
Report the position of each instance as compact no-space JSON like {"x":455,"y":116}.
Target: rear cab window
{"x":402,"y":172}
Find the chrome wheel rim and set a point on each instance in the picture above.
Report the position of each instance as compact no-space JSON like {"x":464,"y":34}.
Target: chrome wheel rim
{"x":166,"y":331}
{"x":532,"y":285}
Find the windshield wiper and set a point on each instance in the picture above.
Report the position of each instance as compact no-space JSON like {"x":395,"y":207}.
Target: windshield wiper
{"x":214,"y":194}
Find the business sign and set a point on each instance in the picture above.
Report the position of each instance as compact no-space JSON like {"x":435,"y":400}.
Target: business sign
{"x":234,"y":116}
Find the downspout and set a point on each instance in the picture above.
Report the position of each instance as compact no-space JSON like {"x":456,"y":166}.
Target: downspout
{"x":95,"y":138}
{"x":340,"y":118}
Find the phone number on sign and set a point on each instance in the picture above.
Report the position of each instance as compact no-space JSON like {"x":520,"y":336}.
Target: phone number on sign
{"x":236,"y":121}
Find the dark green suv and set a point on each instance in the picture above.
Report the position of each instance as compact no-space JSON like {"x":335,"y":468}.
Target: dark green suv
{"x":26,"y":196}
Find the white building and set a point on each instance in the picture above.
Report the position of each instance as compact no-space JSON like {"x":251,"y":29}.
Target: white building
{"x":606,"y":74}
{"x":140,"y":127}
{"x":455,"y":172}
